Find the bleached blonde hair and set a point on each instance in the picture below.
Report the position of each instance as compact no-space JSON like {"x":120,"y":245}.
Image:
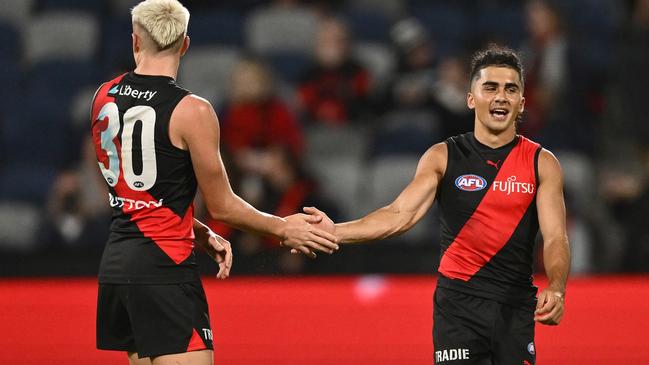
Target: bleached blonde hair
{"x":165,"y":21}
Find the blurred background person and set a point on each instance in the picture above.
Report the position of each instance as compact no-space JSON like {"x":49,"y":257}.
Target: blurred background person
{"x":335,"y":88}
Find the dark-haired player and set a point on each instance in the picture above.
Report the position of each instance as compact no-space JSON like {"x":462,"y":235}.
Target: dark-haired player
{"x":495,"y":189}
{"x":155,"y":143}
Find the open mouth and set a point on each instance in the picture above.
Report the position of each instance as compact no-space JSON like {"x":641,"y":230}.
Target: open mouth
{"x":499,"y":114}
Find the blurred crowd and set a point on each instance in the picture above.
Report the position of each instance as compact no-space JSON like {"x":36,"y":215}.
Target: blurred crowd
{"x":330,"y":104}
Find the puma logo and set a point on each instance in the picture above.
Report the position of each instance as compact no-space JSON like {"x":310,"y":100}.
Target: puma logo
{"x":494,"y":164}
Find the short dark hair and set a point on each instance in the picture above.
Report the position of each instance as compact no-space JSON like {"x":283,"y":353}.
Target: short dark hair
{"x":498,"y":56}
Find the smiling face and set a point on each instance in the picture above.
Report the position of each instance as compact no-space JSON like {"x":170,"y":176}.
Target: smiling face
{"x":496,"y":95}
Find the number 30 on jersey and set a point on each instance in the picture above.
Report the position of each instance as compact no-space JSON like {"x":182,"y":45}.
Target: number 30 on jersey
{"x":145,"y":115}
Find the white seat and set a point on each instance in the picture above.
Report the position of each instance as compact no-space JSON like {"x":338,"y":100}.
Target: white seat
{"x":19,"y":224}
{"x":206,"y":71}
{"x":328,"y":142}
{"x":276,"y":29}
{"x":16,"y":12}
{"x":389,"y":8}
{"x":386,"y":178}
{"x":58,"y":35}
{"x":379,"y":60}
{"x":339,"y":180}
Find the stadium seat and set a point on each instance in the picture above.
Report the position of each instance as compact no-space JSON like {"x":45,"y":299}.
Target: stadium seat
{"x":335,"y":156}
{"x":368,"y":26}
{"x":206,"y":71}
{"x":63,"y":78}
{"x":448,"y":25}
{"x":378,"y":58}
{"x":97,"y":7}
{"x":277,"y":29}
{"x":19,"y":224}
{"x":37,"y":132}
{"x":16,"y":12}
{"x":10,"y":42}
{"x":11,"y":79}
{"x":26,"y":183}
{"x":405,"y":133}
{"x":503,"y":23}
{"x":116,"y":51}
{"x":61,"y":36}
{"x":216,"y":28}
{"x":385,"y":179}
{"x":288,"y":66}
{"x":389,"y":8}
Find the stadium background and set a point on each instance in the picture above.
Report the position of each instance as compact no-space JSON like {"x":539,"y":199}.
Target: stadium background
{"x":344,"y":137}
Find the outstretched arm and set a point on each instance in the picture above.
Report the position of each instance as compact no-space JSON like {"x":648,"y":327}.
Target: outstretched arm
{"x":194,"y":127}
{"x":408,"y":208}
{"x":556,"y":251}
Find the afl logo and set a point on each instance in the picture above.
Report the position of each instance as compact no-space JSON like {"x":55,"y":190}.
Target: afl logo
{"x":470,"y":182}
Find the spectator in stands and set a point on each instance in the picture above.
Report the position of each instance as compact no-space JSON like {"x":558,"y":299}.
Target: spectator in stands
{"x":76,"y":212}
{"x":335,"y":89}
{"x":284,"y":186}
{"x":545,"y":57}
{"x":256,"y":120}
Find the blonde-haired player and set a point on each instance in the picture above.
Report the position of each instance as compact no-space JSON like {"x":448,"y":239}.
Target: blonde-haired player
{"x":156,"y":143}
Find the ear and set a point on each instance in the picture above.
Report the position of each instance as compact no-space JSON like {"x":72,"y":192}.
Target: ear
{"x":470,"y":101}
{"x":136,"y":42}
{"x":522,"y":107}
{"x":185,"y":46}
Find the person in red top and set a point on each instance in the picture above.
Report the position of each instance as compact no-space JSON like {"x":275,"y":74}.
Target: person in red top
{"x":335,"y":89}
{"x":256,"y":119}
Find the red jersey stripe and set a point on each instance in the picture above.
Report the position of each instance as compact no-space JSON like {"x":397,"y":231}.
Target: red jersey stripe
{"x":495,"y":219}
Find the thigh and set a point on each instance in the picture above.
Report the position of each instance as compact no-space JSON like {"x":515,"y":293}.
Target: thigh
{"x":203,"y":357}
{"x":113,"y":327}
{"x":514,"y":340}
{"x":461,"y":328}
{"x":169,"y":319}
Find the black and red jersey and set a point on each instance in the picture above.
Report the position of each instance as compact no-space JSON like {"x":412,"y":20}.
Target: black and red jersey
{"x":151,"y":183}
{"x":488,"y":217}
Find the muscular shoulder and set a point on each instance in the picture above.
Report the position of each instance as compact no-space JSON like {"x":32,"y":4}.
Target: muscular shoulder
{"x":549,"y":167}
{"x":192,"y":116}
{"x":193,"y":107}
{"x":435,"y":158}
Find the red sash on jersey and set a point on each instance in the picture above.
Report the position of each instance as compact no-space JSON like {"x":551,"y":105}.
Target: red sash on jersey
{"x":495,"y":219}
{"x":172,"y":233}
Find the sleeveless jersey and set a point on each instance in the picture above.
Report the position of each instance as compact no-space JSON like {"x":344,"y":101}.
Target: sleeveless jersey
{"x":488,"y":216}
{"x":151,"y":183}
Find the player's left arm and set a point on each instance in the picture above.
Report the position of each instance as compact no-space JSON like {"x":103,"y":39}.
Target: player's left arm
{"x":217,"y":247}
{"x":556,"y":251}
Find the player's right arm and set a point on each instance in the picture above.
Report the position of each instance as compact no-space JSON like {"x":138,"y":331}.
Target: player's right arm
{"x":407,"y":209}
{"x":194,"y":127}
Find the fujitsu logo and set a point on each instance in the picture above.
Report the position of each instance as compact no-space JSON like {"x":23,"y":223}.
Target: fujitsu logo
{"x":512,"y":186}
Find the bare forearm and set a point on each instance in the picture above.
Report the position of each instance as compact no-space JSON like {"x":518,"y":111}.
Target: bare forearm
{"x":382,"y":223}
{"x":238,"y":213}
{"x":556,"y":258}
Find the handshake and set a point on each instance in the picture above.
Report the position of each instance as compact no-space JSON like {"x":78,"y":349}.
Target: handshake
{"x":310,"y":231}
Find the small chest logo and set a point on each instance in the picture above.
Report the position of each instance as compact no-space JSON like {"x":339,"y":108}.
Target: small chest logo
{"x":530,"y":348}
{"x":470,"y":182}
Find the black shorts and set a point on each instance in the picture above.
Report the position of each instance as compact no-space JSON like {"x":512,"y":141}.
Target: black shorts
{"x":473,"y":330}
{"x":153,"y":320}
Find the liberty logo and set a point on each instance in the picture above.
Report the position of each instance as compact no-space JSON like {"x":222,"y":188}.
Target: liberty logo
{"x":127,"y":90}
{"x":494,"y":164}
